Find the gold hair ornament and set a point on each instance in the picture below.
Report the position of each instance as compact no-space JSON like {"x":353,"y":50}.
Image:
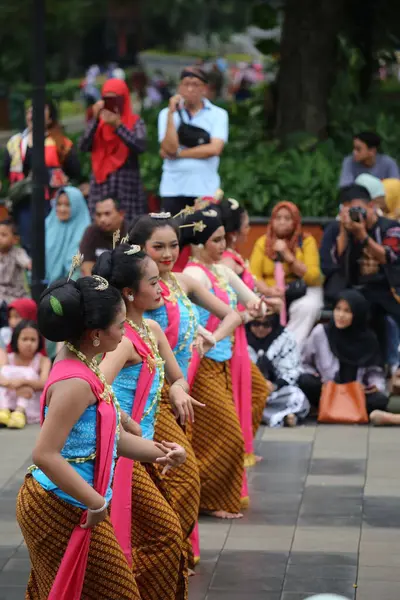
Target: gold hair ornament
{"x":161,"y":215}
{"x":77,"y":260}
{"x":116,"y":238}
{"x":234,"y":203}
{"x":125,"y":240}
{"x":210,"y":213}
{"x":188,"y":210}
{"x":134,"y":249}
{"x":103,"y":283}
{"x":198,"y":226}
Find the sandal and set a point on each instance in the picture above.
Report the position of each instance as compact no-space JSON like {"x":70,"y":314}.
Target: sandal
{"x":17,"y":420}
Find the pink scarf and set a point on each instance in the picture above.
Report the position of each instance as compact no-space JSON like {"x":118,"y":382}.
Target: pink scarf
{"x":279,"y":276}
{"x":173,"y":314}
{"x":70,"y":577}
{"x":121,"y":506}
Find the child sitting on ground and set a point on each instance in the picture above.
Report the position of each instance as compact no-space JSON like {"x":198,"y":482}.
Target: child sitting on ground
{"x":14,"y":261}
{"x":18,"y":310}
{"x":23,"y":375}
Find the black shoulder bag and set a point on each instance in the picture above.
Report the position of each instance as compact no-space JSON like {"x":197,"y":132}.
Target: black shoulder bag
{"x":191,"y":136}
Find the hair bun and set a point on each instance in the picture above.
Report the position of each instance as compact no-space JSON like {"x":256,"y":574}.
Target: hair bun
{"x":104,"y":265}
{"x":60,"y":314}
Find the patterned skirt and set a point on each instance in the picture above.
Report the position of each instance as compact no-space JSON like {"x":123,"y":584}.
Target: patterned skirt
{"x":183,"y":483}
{"x":47,"y":522}
{"x":159,"y":559}
{"x":259,"y":394}
{"x":217,"y":438}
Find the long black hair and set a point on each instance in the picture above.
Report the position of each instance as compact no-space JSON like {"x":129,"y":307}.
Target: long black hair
{"x":25,"y":324}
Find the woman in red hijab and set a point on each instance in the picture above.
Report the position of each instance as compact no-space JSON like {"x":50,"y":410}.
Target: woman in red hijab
{"x":287,"y":261}
{"x":115,"y":137}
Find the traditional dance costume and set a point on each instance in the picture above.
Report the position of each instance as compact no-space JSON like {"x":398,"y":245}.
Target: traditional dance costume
{"x":259,"y":389}
{"x":155,"y":541}
{"x":68,"y":562}
{"x":217,"y":436}
{"x":178,"y":317}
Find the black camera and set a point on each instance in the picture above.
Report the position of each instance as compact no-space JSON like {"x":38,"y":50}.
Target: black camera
{"x":357,"y":213}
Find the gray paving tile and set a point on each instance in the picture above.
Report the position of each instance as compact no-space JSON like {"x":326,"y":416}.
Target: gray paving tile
{"x":323,"y":558}
{"x":336,"y":466}
{"x":229,"y":595}
{"x":12,"y":593}
{"x":319,"y":586}
{"x":322,"y":571}
{"x":309,"y":520}
{"x":384,"y":590}
{"x":379,"y":574}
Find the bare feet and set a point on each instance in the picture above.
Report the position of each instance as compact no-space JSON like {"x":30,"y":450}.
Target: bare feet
{"x":191,"y":572}
{"x":258,"y":459}
{"x":223,"y":514}
{"x":291,"y":420}
{"x":380,"y":417}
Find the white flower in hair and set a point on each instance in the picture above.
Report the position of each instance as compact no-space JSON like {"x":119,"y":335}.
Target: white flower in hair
{"x":210,"y":213}
{"x":134,"y":249}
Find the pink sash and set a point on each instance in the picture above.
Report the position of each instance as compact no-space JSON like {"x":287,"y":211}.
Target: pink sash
{"x":121,"y":505}
{"x":240,"y":367}
{"x":246,"y":276}
{"x":279,"y":276}
{"x":70,"y":577}
{"x":173,"y":314}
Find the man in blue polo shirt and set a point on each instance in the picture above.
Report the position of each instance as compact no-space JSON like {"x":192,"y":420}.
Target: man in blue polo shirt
{"x":190,"y":172}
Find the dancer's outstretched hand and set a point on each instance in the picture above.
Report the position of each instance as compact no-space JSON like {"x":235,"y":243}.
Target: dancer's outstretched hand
{"x":182,"y":404}
{"x":175,"y":455}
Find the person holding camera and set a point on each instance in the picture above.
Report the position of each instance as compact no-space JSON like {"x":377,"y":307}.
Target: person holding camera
{"x":192,"y":132}
{"x":368,"y":249}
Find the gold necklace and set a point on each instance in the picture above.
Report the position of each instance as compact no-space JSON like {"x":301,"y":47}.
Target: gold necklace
{"x":156,"y":362}
{"x":108,"y":394}
{"x":176,"y":288}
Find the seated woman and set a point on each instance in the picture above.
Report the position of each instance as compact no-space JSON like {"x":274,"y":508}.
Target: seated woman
{"x":274,"y":350}
{"x":344,"y":350}
{"x":285,"y":244}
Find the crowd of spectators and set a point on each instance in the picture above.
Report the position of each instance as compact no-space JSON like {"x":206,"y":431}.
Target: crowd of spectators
{"x":354,"y":273}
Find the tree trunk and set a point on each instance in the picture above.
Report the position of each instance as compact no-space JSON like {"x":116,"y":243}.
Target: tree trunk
{"x":308,"y":60}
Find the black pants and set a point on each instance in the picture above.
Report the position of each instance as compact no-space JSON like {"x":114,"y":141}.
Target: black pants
{"x":311,"y":386}
{"x":174,"y":204}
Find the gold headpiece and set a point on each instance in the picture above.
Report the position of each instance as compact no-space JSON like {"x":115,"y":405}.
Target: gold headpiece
{"x":125,"y":240}
{"x":77,"y":260}
{"x":210,"y":213}
{"x":161,"y":215}
{"x":198,"y":226}
{"x":234,"y":203}
{"x":116,"y":236}
{"x":200,"y":203}
{"x":188,"y":210}
{"x":103,"y":283}
{"x":134,"y":249}
{"x":218,"y":196}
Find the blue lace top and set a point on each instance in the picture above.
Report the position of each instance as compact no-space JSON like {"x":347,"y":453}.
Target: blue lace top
{"x":124,"y":387}
{"x":80,"y":450}
{"x":222,"y":351}
{"x":187,"y":330}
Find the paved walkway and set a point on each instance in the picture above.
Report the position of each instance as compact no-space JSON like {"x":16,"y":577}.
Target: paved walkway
{"x":324,"y":517}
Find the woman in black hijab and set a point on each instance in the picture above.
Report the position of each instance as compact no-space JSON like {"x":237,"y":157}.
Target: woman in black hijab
{"x":345,"y":350}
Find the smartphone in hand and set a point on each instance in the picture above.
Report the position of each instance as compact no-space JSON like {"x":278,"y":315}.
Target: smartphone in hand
{"x":114,"y":104}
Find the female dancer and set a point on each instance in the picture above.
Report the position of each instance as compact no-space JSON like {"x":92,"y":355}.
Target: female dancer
{"x":67,"y":492}
{"x":155,"y":546}
{"x":158,"y":235}
{"x":221,"y":462}
{"x":236,"y":224}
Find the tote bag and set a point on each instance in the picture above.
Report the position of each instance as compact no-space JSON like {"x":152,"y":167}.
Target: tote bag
{"x":342,"y":403}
